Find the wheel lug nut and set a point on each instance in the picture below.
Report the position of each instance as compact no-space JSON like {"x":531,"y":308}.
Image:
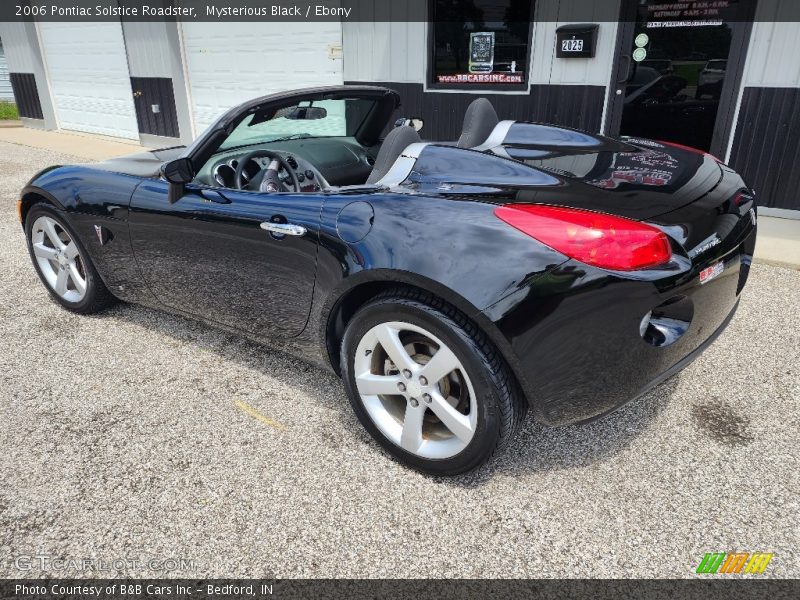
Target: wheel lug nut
{"x":426,"y":398}
{"x":401,"y":386}
{"x":406,"y":373}
{"x":414,"y":402}
{"x":423,"y":380}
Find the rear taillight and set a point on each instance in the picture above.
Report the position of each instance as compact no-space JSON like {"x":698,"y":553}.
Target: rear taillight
{"x":597,"y":239}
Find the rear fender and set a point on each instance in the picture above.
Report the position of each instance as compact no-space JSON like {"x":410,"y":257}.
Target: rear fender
{"x":333,"y":315}
{"x":452,"y":247}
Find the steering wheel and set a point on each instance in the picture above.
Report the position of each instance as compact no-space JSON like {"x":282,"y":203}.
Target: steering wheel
{"x":270,"y":181}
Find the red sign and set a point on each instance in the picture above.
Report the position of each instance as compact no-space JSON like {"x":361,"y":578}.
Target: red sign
{"x":481,"y":78}
{"x":709,"y":273}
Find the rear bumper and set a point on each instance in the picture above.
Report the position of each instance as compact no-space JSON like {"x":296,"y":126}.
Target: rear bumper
{"x":674,"y":369}
{"x":576,"y":339}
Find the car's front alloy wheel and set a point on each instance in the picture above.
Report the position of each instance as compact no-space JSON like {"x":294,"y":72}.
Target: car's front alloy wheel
{"x":59,"y":260}
{"x":426,"y":383}
{"x":62,"y":263}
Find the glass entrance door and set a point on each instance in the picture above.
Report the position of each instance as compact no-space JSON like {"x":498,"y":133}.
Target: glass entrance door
{"x":674,"y":70}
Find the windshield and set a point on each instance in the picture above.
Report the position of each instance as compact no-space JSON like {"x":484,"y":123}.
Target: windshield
{"x":307,"y":118}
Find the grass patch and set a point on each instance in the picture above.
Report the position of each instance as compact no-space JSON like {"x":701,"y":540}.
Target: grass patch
{"x":8,"y":111}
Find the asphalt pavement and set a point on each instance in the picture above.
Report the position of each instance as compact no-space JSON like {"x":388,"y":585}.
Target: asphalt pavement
{"x":152,"y":445}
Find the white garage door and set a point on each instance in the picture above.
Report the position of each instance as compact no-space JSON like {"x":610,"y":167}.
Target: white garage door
{"x":228,"y":64}
{"x":88,"y":72}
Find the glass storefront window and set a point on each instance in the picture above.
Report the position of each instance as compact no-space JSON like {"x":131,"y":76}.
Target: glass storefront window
{"x":480,"y":43}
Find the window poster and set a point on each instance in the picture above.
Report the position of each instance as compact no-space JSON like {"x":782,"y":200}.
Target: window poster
{"x":481,"y":52}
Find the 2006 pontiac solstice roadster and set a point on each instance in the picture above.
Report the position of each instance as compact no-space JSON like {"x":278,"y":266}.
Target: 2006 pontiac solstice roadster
{"x":453,"y":285}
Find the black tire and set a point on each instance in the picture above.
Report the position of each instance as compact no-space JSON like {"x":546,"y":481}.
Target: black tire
{"x":501,"y":405}
{"x":97,"y":296}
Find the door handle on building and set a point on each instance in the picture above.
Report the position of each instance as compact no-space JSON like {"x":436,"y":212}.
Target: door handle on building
{"x":624,"y":74}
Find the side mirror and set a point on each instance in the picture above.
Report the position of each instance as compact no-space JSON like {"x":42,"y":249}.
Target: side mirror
{"x":414,"y":122}
{"x":178,"y":173}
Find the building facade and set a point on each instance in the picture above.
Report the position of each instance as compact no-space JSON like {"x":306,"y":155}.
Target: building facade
{"x":729,"y":84}
{"x":6,"y":93}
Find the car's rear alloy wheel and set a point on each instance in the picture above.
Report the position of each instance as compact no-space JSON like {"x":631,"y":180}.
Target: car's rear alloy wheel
{"x":62,"y":263}
{"x":415,"y":390}
{"x":426,"y":383}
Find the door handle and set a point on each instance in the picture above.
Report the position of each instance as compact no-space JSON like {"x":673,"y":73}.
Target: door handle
{"x":624,"y":74}
{"x":283,"y":228}
{"x":213,"y":196}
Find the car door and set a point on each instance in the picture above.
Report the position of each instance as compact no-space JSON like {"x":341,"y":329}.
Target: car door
{"x":242,"y":259}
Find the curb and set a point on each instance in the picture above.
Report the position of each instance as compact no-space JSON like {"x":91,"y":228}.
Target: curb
{"x":777,"y":263}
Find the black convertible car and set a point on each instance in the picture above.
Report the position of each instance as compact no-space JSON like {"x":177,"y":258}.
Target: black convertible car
{"x":453,"y":285}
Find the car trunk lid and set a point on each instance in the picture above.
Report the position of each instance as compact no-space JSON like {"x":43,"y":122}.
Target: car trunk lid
{"x":634,"y":178}
{"x":695,"y":199}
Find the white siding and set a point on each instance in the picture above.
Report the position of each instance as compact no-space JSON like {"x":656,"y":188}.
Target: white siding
{"x":773,"y":59}
{"x":398,"y":52}
{"x":20,"y":55}
{"x":5,"y":84}
{"x":21,"y":45}
{"x":149,"y":52}
{"x":772,"y":56}
{"x":381,"y":51}
{"x":546,"y":68}
{"x":227,"y":64}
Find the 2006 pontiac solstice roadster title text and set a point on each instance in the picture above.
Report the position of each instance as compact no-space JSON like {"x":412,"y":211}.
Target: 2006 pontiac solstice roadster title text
{"x":161,"y":12}
{"x":453,"y":285}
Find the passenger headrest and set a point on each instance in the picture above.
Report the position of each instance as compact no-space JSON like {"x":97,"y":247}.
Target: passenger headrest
{"x":479,"y":121}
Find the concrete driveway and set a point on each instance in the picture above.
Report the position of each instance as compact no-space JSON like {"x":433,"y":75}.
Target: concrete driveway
{"x":188,"y":452}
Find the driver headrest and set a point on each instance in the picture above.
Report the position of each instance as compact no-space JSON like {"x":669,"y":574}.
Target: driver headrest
{"x":396,"y":141}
